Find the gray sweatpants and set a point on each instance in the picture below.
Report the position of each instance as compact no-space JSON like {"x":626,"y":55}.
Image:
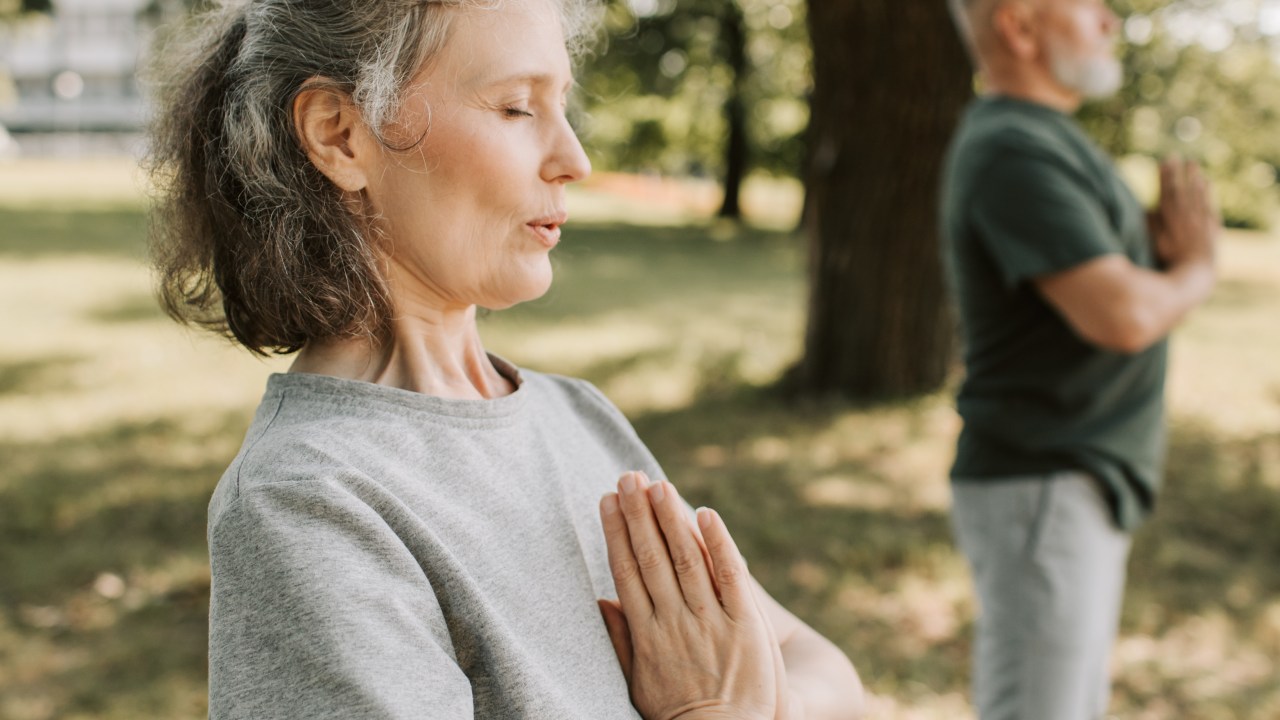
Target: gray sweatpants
{"x":1048,"y":566}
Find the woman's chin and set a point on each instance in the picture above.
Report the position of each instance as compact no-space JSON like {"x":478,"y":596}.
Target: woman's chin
{"x":524,"y":292}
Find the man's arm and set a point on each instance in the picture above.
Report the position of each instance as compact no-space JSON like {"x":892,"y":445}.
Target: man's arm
{"x":1116,"y":305}
{"x":1119,"y":306}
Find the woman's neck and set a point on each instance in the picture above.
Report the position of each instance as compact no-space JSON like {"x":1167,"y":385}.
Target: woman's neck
{"x":434,"y":353}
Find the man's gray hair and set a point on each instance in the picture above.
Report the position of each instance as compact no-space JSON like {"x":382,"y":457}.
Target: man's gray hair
{"x":248,"y":237}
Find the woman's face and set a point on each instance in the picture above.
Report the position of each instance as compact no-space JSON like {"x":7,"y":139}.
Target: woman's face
{"x":474,"y":210}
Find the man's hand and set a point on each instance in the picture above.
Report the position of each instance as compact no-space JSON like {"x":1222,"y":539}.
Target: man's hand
{"x":1116,"y":305}
{"x":1185,"y":226}
{"x":692,"y":639}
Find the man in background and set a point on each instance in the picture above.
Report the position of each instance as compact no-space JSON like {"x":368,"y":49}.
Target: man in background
{"x":1067,"y":291}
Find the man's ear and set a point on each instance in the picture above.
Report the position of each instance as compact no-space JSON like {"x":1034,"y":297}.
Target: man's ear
{"x":1014,"y":24}
{"x":333,"y":135}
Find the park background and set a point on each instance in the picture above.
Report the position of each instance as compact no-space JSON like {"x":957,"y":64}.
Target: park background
{"x":696,"y":316}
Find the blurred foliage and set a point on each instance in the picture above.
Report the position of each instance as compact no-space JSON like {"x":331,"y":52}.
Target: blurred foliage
{"x":1202,"y":82}
{"x":654,"y":94}
{"x":13,"y":8}
{"x":1201,"y":75}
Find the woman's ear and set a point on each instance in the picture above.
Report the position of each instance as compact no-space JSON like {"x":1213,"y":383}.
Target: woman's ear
{"x":1014,"y":24}
{"x":334,"y":136}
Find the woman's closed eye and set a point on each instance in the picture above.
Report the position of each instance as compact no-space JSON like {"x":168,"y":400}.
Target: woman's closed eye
{"x":516,"y":112}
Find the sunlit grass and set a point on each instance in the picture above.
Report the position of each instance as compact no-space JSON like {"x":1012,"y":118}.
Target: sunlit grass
{"x":115,"y":424}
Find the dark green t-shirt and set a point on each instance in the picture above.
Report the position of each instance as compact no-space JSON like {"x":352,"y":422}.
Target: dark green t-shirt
{"x":1025,"y":193}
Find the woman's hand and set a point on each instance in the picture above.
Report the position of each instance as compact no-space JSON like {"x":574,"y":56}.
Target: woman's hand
{"x":691,"y":638}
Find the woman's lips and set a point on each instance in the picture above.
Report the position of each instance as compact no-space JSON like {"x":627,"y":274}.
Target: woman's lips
{"x":549,"y":233}
{"x":548,"y":228}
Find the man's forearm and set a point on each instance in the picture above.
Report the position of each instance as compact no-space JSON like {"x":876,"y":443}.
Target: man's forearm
{"x":1162,"y":299}
{"x":1119,"y":306}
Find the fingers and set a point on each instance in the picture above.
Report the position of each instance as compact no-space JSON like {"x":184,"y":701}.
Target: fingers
{"x":627,"y":579}
{"x":1173,"y":180}
{"x":1186,"y":202}
{"x":649,"y":547}
{"x":615,"y":622}
{"x":1182,"y":180}
{"x":706,"y":555}
{"x":1166,"y":178}
{"x":1193,"y":180}
{"x":691,"y":568}
{"x":730,"y":571}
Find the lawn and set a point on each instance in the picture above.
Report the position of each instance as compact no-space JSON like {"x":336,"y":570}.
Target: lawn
{"x":115,"y":424}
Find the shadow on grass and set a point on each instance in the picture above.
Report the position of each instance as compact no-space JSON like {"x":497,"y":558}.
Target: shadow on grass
{"x":41,"y":232}
{"x":1204,"y":584}
{"x":1213,"y":543}
{"x":34,"y":377}
{"x":104,"y":601}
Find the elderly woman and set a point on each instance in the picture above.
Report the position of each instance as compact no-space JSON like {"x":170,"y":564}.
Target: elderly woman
{"x":415,"y":528}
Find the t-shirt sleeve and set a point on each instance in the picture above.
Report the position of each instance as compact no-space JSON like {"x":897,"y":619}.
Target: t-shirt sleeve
{"x":1035,"y":215}
{"x":317,"y":610}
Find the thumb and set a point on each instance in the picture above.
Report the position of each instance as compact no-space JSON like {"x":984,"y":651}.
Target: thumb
{"x":615,"y":621}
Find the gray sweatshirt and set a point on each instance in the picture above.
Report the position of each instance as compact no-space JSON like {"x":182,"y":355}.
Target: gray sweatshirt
{"x":379,"y":553}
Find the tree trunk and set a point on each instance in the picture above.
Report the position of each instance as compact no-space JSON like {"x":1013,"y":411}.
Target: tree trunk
{"x":734,"y":46}
{"x":890,"y":80}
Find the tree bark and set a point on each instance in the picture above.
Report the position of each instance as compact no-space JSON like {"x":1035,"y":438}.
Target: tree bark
{"x":733,"y":41}
{"x":890,"y":80}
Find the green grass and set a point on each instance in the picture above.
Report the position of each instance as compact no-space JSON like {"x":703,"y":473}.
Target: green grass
{"x":115,"y":424}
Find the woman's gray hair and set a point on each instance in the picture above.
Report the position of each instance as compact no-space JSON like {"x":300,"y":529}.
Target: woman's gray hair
{"x":248,"y":237}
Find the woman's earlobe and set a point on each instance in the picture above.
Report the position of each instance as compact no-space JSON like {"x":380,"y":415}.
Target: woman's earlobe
{"x":329,"y":127}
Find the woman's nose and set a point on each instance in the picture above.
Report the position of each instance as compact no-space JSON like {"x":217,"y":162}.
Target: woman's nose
{"x":567,"y":161}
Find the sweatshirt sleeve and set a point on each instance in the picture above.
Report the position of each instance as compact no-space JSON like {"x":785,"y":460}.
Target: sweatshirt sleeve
{"x":318,"y":610}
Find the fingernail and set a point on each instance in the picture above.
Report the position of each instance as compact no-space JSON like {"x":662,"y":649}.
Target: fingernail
{"x":628,"y":483}
{"x":704,"y":518}
{"x":609,"y":503}
{"x":657,"y":492}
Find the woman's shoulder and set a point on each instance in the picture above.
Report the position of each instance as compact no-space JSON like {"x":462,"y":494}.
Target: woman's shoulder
{"x":561,"y":393}
{"x":303,"y":431}
{"x":565,"y":402}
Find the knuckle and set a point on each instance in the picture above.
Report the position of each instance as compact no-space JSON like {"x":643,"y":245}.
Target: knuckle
{"x":649,"y":559}
{"x":635,"y":511}
{"x":625,"y":572}
{"x":730,"y":573}
{"x":686,"y":563}
{"x":614,"y":533}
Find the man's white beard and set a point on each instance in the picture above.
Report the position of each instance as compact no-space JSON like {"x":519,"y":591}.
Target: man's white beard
{"x":1098,"y":76}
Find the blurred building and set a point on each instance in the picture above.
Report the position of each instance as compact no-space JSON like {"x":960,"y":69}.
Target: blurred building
{"x":72,"y":76}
